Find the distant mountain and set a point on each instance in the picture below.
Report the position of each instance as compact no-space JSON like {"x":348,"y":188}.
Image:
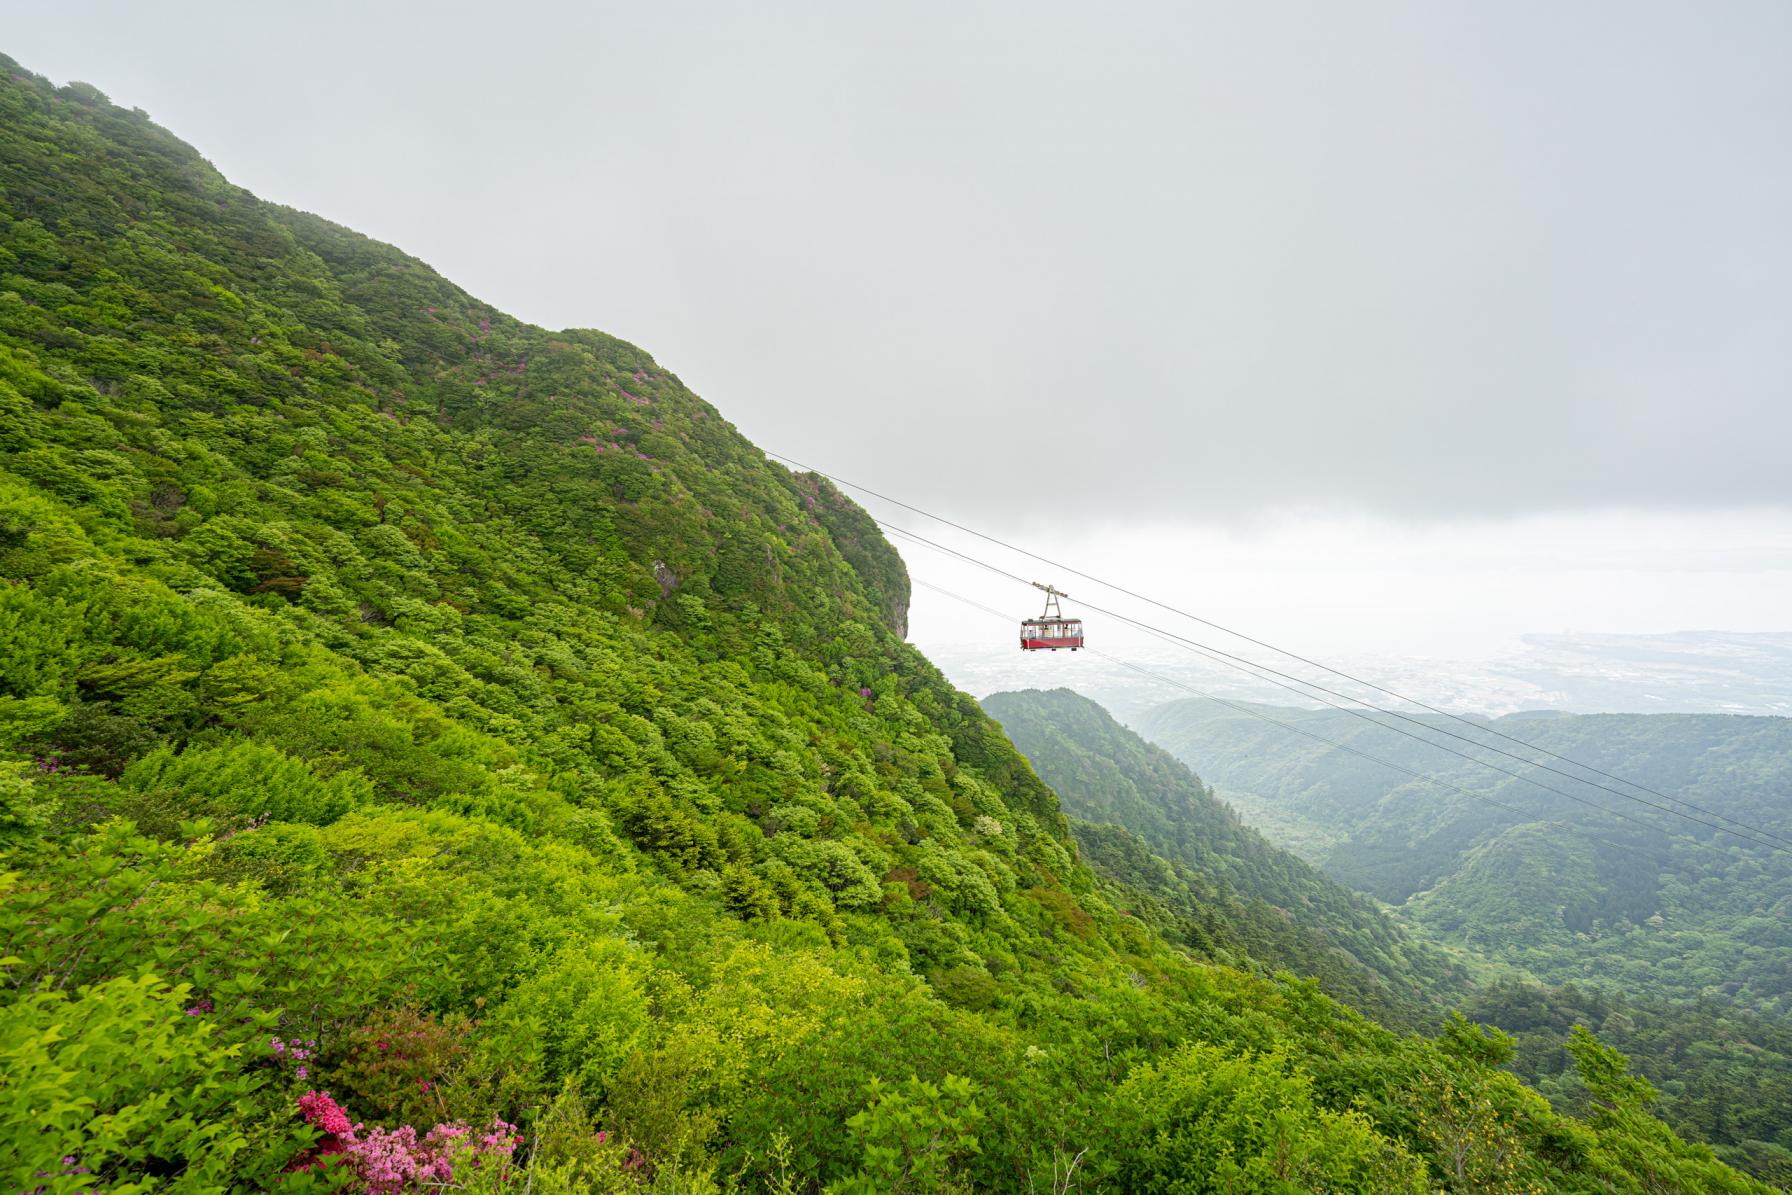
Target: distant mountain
{"x":1677,"y":951}
{"x":1682,"y":911}
{"x":1228,"y":883}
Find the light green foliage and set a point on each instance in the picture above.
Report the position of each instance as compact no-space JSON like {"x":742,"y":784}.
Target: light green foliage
{"x":1472,"y":1133}
{"x":834,"y":867}
{"x":1203,"y":1121}
{"x":576,"y":1018}
{"x":114,"y":1083}
{"x":253,"y":780}
{"x":1607,"y":1074}
{"x":959,"y":881}
{"x":24,"y":808}
{"x":570,"y":1155}
{"x":912,"y":1137}
{"x":1631,"y":1142}
{"x":36,"y":636}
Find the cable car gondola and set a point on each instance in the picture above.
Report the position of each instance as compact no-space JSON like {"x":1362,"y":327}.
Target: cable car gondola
{"x":1051,"y":630}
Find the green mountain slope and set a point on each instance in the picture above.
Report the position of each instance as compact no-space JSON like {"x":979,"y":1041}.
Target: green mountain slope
{"x":1693,"y":915}
{"x":1220,"y":875}
{"x":435,"y":750}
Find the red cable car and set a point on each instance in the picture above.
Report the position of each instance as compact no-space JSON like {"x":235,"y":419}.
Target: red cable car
{"x":1051,"y":630}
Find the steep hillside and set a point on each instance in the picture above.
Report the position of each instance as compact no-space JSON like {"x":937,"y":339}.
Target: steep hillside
{"x":435,"y":750}
{"x":1698,"y":914}
{"x":1225,"y":880}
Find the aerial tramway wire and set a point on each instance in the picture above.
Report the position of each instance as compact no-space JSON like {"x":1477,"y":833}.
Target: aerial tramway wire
{"x":1763,"y":833}
{"x":1250,"y":668}
{"x":1423,"y":777}
{"x":1188,"y":645}
{"x":1265,"y":673}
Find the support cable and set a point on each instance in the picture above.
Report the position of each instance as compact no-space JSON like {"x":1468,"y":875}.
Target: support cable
{"x":1242,"y":708}
{"x":1248,"y":667}
{"x":1758,"y":833}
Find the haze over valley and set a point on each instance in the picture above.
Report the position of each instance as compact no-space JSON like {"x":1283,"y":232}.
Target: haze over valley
{"x":1694,"y":672}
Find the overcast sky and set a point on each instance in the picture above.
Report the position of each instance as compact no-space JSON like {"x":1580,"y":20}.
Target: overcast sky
{"x":1496,"y":278}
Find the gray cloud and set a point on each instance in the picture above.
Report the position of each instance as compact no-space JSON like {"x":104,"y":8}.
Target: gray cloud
{"x":1204,"y":260}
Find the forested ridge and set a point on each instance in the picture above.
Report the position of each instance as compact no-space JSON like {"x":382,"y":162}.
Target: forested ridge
{"x":1667,"y":906}
{"x":1142,"y":817}
{"x":438,"y":752}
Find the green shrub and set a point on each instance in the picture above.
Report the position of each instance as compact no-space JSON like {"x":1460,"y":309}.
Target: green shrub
{"x":1205,"y":1120}
{"x":115,"y":1083}
{"x":913,"y":1137}
{"x":251,"y":780}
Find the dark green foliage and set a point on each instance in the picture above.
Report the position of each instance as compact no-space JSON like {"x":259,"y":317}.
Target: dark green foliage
{"x":473,"y":703}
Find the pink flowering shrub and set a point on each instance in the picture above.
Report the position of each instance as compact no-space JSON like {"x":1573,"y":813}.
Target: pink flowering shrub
{"x":327,"y":1117}
{"x":393,"y":1161}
